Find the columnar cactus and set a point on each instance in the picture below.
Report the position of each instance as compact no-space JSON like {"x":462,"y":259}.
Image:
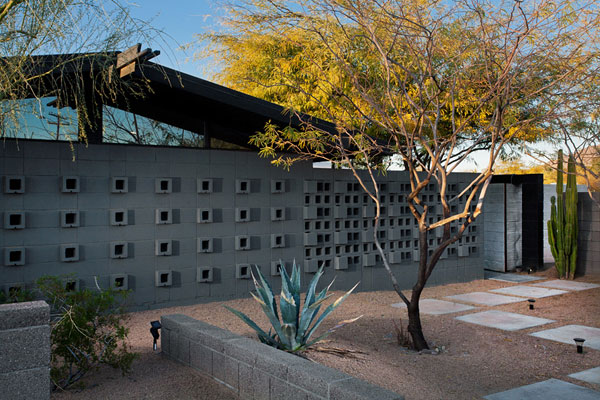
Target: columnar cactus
{"x":562,"y":226}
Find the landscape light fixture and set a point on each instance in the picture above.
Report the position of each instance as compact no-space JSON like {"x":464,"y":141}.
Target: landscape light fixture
{"x":579,"y":342}
{"x":155,"y":326}
{"x":531,"y":301}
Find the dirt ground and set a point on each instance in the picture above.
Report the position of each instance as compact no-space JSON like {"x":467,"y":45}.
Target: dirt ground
{"x":473,"y":360}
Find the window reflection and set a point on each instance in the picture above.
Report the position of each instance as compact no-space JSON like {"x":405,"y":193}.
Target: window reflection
{"x":37,"y":119}
{"x":124,"y":127}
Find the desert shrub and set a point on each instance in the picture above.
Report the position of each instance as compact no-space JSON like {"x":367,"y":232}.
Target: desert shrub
{"x":16,"y":295}
{"x":87,"y":330}
{"x":298,"y":322}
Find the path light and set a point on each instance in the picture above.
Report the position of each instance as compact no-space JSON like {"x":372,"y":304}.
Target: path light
{"x":579,"y":342}
{"x":155,"y":326}
{"x":531,"y":301}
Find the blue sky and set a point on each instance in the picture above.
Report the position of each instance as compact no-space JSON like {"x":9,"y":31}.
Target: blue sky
{"x":180,"y":20}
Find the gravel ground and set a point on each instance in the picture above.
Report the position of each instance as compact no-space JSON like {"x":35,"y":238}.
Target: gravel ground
{"x":475,"y":360}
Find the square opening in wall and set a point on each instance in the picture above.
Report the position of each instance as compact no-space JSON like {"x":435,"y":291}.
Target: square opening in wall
{"x":70,"y":184}
{"x":14,"y":184}
{"x":164,"y":216}
{"x":276,"y":268}
{"x":71,"y":285}
{"x":163,"y":248}
{"x":205,"y":185}
{"x":278,"y":214}
{"x":242,"y":186}
{"x":242,"y":243}
{"x":277,"y":186}
{"x":69,"y":219}
{"x":277,"y":240}
{"x":69,"y":253}
{"x":243,"y":271}
{"x":204,"y":274}
{"x":14,"y":256}
{"x":118,"y":217}
{"x":204,"y":215}
{"x":118,"y":250}
{"x":163,"y":185}
{"x":119,"y":281}
{"x":163,"y":278}
{"x":205,"y":245}
{"x":119,"y":185}
{"x":14,"y":220}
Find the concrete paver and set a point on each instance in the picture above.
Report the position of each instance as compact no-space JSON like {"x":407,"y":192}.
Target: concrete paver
{"x":503,"y":320}
{"x":566,"y":334}
{"x":591,"y":375}
{"x":507,"y":277}
{"x":552,"y":389}
{"x":437,"y":307}
{"x":567,"y":285}
{"x":529,"y":291}
{"x":484,"y":298}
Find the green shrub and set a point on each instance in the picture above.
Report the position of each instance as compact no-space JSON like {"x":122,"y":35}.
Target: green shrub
{"x":87,"y":331}
{"x":293,"y":332}
{"x":16,"y":295}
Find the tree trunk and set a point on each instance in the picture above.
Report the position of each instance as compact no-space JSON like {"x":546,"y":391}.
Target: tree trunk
{"x":414,"y":326}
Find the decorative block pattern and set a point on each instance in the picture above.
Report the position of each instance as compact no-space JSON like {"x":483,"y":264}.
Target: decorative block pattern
{"x":163,"y":185}
{"x":204,"y":215}
{"x":119,"y":184}
{"x":242,"y":242}
{"x":14,"y":184}
{"x":204,"y":185}
{"x":277,"y":240}
{"x":242,"y":214}
{"x":118,"y":250}
{"x":69,"y":252}
{"x":205,"y":245}
{"x":163,"y":247}
{"x":243,"y":271}
{"x":69,"y":219}
{"x":163,"y":216}
{"x":277,"y":213}
{"x":14,"y":220}
{"x":204,"y":274}
{"x":70,"y":184}
{"x":242,"y":186}
{"x":119,"y":281}
{"x":14,"y":256}
{"x":163,"y":278}
{"x":118,"y":217}
{"x":277,"y":186}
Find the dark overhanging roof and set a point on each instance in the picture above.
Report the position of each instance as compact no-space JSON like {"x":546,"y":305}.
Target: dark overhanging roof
{"x":173,"y":97}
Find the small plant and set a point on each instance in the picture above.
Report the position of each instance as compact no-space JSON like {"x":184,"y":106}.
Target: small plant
{"x":293,"y":331}
{"x":402,"y":335}
{"x":87,"y":331}
{"x":16,"y":295}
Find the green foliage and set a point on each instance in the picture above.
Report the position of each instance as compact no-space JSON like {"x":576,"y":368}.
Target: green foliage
{"x":562,"y":226}
{"x":293,"y":331}
{"x":16,"y":295}
{"x":87,"y":330}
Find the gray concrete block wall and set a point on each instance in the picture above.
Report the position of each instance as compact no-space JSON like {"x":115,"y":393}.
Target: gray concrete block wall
{"x":25,"y":350}
{"x":339,"y":215}
{"x":588,"y":241}
{"x":254,"y":370}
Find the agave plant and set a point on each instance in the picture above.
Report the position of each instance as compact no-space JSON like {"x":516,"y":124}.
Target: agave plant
{"x":292,"y":332}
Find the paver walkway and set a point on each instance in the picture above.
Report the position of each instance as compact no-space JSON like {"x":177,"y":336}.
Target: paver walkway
{"x":503,"y":320}
{"x":552,"y":389}
{"x":566,"y":334}
{"x":567,"y":285}
{"x":589,"y":375}
{"x":486,"y":299}
{"x":437,"y":307}
{"x":514,"y":278}
{"x":529,"y":291}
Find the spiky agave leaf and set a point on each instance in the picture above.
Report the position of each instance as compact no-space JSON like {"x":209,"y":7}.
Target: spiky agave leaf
{"x":290,"y":290}
{"x":308,"y":309}
{"x":328,"y":310}
{"x":289,"y":330}
{"x":333,"y":329}
{"x":262,"y":335}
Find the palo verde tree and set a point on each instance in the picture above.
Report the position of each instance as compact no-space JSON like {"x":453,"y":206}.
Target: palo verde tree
{"x":426,"y":81}
{"x":77,"y":34}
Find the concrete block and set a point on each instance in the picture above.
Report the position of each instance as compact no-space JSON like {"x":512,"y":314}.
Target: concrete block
{"x":20,"y":315}
{"x":14,"y":220}
{"x":14,"y":256}
{"x":27,"y":384}
{"x":14,"y":184}
{"x":16,"y":348}
{"x":201,"y":358}
{"x":313,"y":377}
{"x":225,"y":369}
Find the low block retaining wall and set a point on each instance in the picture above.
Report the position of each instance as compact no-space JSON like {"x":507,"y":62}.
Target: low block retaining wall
{"x":25,"y":351}
{"x":255,"y":370}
